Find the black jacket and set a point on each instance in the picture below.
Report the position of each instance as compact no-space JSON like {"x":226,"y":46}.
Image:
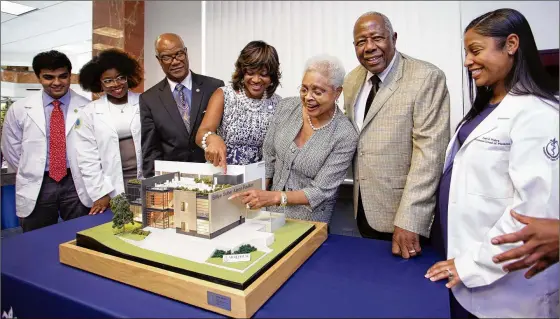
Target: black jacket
{"x":164,"y":136}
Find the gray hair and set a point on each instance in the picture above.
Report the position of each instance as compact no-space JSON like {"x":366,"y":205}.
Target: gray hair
{"x":386,"y":21}
{"x":329,"y":66}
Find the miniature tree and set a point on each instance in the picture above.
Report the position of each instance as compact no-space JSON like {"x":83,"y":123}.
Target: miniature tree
{"x":219,"y":253}
{"x":245,"y":249}
{"x":122,"y":214}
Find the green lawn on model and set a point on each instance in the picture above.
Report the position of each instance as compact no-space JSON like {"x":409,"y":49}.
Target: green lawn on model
{"x":283,"y":238}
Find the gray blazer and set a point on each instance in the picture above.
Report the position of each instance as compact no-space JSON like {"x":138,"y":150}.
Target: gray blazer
{"x":318,"y":167}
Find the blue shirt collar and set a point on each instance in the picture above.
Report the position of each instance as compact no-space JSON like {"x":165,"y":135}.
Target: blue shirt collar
{"x":65,"y":99}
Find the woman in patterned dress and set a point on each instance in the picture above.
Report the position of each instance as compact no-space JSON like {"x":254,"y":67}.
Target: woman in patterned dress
{"x":237,"y":117}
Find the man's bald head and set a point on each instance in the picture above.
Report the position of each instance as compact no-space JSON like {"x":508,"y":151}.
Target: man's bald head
{"x":167,"y":39}
{"x":172,"y":56}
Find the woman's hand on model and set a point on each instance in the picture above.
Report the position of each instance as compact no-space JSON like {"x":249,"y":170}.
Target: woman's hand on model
{"x":255,"y":199}
{"x":215,"y":152}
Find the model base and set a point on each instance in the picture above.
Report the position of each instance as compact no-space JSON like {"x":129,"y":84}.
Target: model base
{"x":237,"y":303}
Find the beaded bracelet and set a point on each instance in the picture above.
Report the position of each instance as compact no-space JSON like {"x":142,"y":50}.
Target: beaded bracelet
{"x":204,"y":146}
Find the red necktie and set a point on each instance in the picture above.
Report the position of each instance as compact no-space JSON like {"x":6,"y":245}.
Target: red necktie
{"x":57,"y":144}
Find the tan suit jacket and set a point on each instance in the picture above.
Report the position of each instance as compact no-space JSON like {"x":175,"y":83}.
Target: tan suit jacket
{"x":401,"y":146}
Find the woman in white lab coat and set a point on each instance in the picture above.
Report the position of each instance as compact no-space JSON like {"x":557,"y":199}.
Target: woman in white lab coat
{"x":108,"y":137}
{"x":504,"y":156}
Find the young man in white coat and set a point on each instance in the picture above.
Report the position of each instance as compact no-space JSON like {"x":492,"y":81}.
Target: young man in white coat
{"x":35,"y":143}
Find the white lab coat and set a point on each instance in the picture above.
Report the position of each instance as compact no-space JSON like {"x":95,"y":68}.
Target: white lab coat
{"x":24,"y":146}
{"x":99,"y":156}
{"x":509,"y":161}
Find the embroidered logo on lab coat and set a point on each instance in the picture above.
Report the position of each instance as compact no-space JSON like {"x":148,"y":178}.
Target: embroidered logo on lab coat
{"x":551,"y":150}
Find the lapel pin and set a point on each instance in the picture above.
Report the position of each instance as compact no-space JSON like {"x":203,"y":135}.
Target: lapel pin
{"x":198,"y":90}
{"x":75,"y":110}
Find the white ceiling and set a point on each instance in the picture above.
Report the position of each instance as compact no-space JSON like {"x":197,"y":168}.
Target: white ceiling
{"x":60,"y":25}
{"x":34,"y":4}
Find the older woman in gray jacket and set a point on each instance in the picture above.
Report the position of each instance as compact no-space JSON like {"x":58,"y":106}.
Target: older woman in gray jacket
{"x":308,"y":147}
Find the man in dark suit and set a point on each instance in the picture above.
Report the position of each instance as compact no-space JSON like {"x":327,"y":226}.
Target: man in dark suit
{"x":172,"y":110}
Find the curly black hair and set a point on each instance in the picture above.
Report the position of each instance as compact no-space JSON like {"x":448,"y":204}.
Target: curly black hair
{"x":256,"y":55}
{"x":51,"y":60}
{"x":90,"y":74}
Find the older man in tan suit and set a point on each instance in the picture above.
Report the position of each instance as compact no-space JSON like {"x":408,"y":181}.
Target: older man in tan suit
{"x":400,"y":106}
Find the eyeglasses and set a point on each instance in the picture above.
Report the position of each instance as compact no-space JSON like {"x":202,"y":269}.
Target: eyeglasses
{"x":121,"y":79}
{"x":316,"y":92}
{"x":179,"y":56}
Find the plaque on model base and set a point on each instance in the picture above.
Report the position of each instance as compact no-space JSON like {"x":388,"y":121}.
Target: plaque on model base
{"x":239,"y":299}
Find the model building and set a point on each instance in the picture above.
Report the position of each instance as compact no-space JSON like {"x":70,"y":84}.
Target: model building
{"x":193,"y":205}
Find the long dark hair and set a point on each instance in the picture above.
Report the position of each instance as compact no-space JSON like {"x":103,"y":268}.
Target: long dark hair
{"x":527,"y":75}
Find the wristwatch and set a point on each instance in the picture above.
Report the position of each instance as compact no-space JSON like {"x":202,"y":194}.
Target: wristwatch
{"x":283,"y":199}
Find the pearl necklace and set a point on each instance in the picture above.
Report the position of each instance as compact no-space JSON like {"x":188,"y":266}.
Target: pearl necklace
{"x":249,"y":104}
{"x":322,"y":127}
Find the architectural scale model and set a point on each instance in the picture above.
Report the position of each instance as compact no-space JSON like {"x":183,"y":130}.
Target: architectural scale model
{"x":195,"y":204}
{"x":192,"y":243}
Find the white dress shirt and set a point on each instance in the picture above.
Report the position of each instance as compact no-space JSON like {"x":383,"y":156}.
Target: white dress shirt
{"x":187,"y":82}
{"x":360,"y":106}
